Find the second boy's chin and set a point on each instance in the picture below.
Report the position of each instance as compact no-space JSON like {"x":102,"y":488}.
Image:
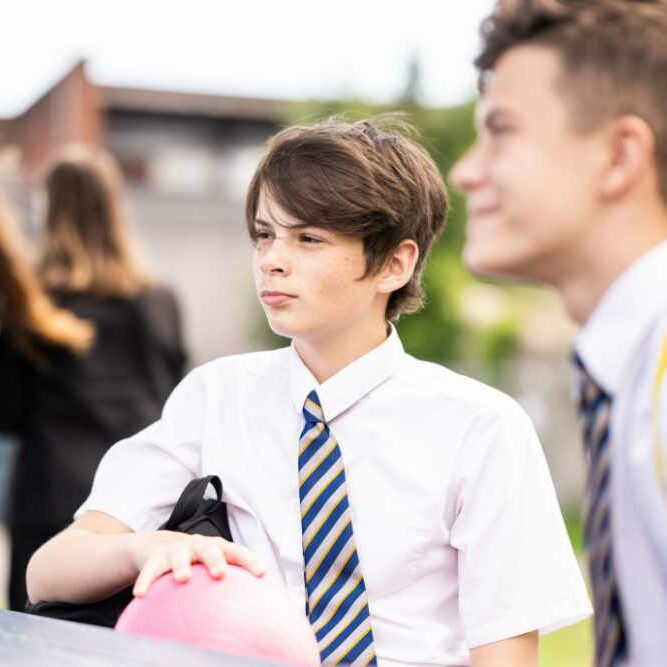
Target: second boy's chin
{"x":507,"y":264}
{"x":483,"y":259}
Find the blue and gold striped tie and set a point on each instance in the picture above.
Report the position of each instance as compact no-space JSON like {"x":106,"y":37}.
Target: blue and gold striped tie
{"x":595,"y":409}
{"x":336,"y":594}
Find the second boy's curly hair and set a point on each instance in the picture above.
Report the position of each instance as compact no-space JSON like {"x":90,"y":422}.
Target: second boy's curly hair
{"x":613,"y":54}
{"x":362,"y":179}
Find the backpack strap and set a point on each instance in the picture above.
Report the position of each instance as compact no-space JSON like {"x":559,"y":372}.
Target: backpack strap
{"x":191,"y":499}
{"x":192,"y":514}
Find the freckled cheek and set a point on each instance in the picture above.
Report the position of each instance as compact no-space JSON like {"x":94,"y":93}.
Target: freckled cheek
{"x":332,"y":289}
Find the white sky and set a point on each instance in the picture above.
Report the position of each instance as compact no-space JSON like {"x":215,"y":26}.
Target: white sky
{"x":264,"y":48}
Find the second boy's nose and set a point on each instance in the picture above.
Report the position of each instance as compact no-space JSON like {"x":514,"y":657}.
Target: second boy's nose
{"x":468,"y":171}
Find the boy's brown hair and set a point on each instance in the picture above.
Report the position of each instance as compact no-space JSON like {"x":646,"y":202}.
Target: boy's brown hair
{"x":613,"y":54}
{"x":363,"y":179}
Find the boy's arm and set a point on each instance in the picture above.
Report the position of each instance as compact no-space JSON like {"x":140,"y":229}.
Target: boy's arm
{"x":520,"y":651}
{"x":99,"y":555}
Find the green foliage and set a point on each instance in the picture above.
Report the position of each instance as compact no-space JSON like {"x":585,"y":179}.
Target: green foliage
{"x":575,"y":528}
{"x":570,"y":647}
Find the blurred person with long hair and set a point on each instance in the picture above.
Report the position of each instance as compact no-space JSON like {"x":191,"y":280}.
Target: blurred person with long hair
{"x":73,"y":406}
{"x":29,"y":321}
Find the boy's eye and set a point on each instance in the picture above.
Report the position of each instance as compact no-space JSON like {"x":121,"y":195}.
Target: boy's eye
{"x":307,"y":238}
{"x":499,"y":130}
{"x":261,"y":236}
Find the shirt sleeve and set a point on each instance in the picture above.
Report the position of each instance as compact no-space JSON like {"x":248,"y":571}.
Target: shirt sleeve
{"x":139,"y":479}
{"x":517,"y":568}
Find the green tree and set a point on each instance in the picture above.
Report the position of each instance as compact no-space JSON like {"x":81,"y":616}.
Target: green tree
{"x":412,"y":91}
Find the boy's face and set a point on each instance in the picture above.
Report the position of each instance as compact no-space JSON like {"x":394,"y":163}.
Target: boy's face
{"x":308,"y":279}
{"x":530,"y":177}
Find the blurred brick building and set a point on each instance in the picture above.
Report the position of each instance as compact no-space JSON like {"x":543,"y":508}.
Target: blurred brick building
{"x":187,"y":159}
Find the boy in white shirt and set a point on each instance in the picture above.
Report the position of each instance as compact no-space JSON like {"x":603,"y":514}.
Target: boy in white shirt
{"x":567,"y":187}
{"x":408,"y":508}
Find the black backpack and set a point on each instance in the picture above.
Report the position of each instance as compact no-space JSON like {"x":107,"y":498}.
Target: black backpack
{"x":192,"y":514}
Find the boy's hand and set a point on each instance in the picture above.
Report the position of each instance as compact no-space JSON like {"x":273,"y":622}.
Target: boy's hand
{"x":163,"y":551}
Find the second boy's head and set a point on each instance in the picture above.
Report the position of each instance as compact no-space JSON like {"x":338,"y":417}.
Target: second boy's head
{"x":570,"y":165}
{"x":342,"y":216}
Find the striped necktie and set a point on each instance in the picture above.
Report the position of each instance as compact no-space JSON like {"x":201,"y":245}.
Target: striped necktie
{"x":336,"y":605}
{"x":595,"y":409}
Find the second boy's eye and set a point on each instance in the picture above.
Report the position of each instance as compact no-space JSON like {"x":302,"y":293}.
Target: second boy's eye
{"x":499,"y":130}
{"x":308,"y":239}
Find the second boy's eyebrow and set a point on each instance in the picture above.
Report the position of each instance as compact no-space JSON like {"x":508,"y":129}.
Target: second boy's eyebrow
{"x":486,"y":118}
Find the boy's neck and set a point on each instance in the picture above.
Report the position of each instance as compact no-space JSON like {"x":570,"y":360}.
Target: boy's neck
{"x":583,"y":288}
{"x":327,"y":355}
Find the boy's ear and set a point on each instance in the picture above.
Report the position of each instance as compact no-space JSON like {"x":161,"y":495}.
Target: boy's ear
{"x":399,"y":267}
{"x":631,"y":149}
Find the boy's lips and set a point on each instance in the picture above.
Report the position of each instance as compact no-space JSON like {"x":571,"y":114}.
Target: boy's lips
{"x":481,"y":210}
{"x":275,"y":298}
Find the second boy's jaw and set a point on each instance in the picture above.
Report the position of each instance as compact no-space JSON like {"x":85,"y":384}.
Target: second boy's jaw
{"x":478,"y":214}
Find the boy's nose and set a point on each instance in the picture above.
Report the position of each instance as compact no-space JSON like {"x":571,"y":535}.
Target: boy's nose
{"x":467,"y":173}
{"x":274,"y":260}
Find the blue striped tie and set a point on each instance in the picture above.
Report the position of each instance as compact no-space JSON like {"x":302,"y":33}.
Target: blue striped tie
{"x":337,"y":605}
{"x":595,"y":409}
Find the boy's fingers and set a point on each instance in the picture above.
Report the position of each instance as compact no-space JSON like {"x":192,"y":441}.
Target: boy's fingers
{"x":212,"y":556}
{"x":239,"y":555}
{"x":154,"y":568}
{"x":180,"y":563}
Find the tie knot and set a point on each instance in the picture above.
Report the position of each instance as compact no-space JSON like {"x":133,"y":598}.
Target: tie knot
{"x":588,"y":390}
{"x":312,"y":410}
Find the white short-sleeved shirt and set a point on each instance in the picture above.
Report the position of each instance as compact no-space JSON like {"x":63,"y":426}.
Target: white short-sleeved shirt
{"x":621,"y":345}
{"x":456,"y":522}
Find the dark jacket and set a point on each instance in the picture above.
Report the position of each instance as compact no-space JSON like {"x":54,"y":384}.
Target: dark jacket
{"x":69,"y":410}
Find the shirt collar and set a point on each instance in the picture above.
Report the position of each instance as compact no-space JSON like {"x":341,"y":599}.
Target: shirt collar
{"x":351,"y":383}
{"x":609,"y":339}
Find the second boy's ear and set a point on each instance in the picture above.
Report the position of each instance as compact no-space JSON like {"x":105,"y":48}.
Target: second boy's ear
{"x":631,"y":153}
{"x":399,"y":267}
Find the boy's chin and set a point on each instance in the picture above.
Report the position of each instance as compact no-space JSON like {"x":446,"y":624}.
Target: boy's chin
{"x":282,"y":329}
{"x":488,"y":264}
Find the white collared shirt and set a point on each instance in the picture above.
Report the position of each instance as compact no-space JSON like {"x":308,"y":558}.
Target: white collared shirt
{"x":456,"y":523}
{"x":619,"y":346}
